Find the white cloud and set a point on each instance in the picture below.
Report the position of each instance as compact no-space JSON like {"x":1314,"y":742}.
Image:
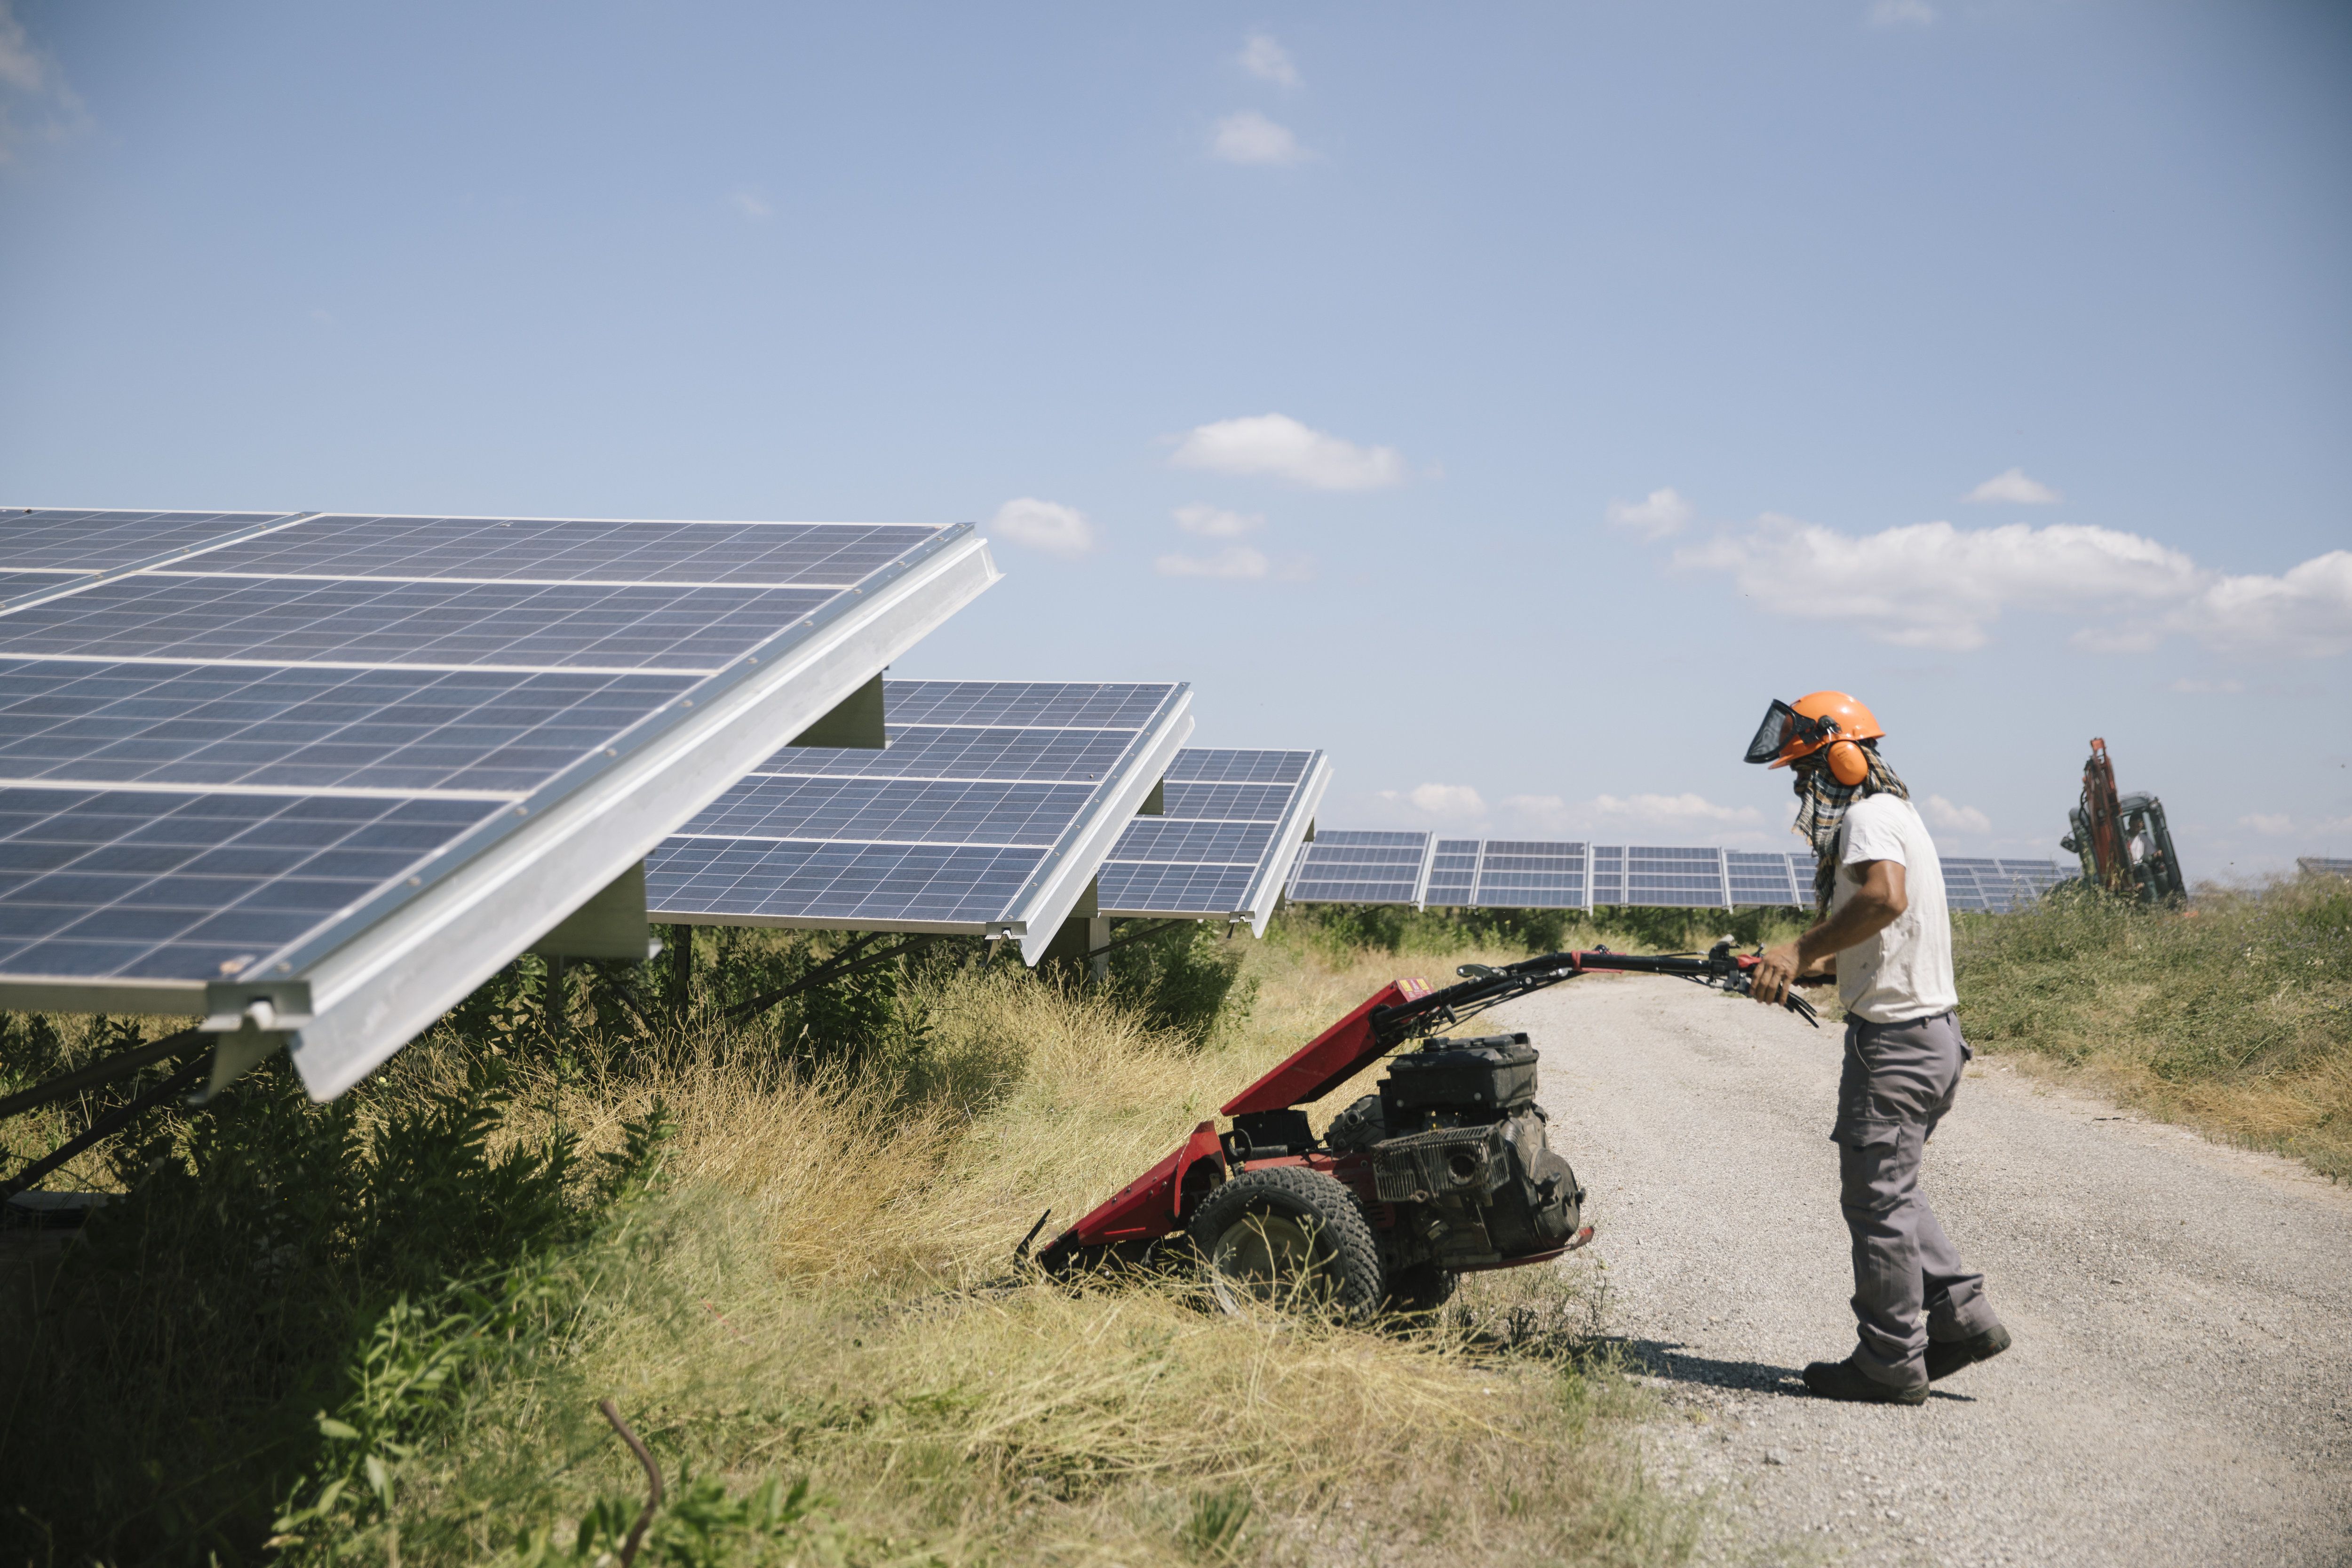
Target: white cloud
{"x":1452,"y":802}
{"x":1902,"y":14}
{"x":36,"y":104}
{"x":1238,"y":561}
{"x":1268,"y":60}
{"x":751,"y":205}
{"x":1213,"y":523}
{"x":2305,"y":612}
{"x":1661,"y":512}
{"x":1672,"y":810}
{"x":1929,"y":584}
{"x":2016,"y":487}
{"x":1043,"y":525}
{"x":1941,"y":813}
{"x":1250,"y":137}
{"x":2263,"y":822}
{"x":1278,"y":445}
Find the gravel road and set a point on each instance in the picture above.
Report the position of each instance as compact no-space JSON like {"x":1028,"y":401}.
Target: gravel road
{"x":2181,"y":1391}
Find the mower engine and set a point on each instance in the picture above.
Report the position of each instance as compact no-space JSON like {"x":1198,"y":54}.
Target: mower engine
{"x":1458,"y":1150}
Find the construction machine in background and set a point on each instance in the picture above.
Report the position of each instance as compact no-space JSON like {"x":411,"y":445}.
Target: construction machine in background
{"x":2122,"y":840}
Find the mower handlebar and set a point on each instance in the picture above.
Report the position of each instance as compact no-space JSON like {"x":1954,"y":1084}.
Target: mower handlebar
{"x":1483,"y":986}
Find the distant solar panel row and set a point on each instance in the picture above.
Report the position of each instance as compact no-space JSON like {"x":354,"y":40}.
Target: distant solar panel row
{"x":1997,"y":887}
{"x":1353,"y":867}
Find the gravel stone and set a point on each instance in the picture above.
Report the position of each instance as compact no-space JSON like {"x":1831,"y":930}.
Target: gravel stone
{"x":2181,"y":1388}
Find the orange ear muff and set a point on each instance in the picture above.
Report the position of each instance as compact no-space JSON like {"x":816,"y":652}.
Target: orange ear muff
{"x":1848,"y":765}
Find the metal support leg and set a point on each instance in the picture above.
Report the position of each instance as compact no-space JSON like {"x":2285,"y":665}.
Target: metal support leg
{"x":681,"y":970}
{"x":1097,"y":945}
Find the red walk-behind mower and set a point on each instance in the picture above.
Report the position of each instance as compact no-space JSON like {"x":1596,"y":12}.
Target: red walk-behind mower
{"x":1446,"y":1170}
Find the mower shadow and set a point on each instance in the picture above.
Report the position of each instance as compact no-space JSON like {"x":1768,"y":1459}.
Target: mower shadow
{"x":1671,"y":1361}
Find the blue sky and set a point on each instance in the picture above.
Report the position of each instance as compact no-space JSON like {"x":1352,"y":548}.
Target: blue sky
{"x":1509,"y":400}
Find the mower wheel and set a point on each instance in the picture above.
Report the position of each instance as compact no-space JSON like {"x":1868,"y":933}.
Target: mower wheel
{"x":1288,"y":1236}
{"x":1423,"y":1288}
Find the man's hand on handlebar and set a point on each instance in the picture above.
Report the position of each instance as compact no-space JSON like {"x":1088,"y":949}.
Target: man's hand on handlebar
{"x":1769,"y":981}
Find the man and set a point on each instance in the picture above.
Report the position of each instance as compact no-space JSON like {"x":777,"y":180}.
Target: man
{"x":1885,"y":935}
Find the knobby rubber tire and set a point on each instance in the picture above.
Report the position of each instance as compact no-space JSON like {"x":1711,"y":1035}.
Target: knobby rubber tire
{"x":1342,"y":1231}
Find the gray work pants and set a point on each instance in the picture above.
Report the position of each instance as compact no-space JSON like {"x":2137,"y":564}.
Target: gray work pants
{"x":1909,"y":1283}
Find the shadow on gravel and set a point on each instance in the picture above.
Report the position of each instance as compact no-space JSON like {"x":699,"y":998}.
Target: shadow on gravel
{"x":1672,"y":1362}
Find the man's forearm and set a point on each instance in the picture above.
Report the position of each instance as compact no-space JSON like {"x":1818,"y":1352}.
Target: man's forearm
{"x":1857,"y":922}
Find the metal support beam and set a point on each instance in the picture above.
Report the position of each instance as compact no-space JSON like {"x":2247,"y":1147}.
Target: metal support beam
{"x":855,"y":723}
{"x":1099,"y":948}
{"x":681,"y":970}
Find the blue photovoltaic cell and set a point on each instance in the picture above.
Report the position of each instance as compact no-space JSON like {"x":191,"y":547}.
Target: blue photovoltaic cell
{"x":1221,"y":765}
{"x":84,"y":541}
{"x":1608,"y":874}
{"x":1228,"y":802}
{"x":178,"y":616}
{"x":153,"y":885}
{"x":931,"y":750}
{"x":1220,"y":812}
{"x":631,"y":550}
{"x":303,"y":727}
{"x":2322,"y":865}
{"x":1361,"y":867}
{"x":1025,"y":704}
{"x":1532,"y":874}
{"x":996,"y":776}
{"x":228,"y":849}
{"x":1174,"y":888}
{"x":1760,"y":878}
{"x":1453,"y":873}
{"x":916,"y":811}
{"x":860,"y":885}
{"x":1672,"y":876}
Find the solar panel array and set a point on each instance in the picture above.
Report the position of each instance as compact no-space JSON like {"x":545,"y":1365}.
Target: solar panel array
{"x":230,"y":741}
{"x":1230,"y":825}
{"x":1348,"y":867}
{"x":1997,"y":886}
{"x":2323,"y":866}
{"x":990,"y":799}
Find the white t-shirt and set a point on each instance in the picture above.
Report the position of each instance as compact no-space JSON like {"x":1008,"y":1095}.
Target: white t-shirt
{"x":1906,"y":971}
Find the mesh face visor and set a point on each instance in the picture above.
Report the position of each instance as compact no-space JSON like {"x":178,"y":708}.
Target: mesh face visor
{"x":1783,"y":724}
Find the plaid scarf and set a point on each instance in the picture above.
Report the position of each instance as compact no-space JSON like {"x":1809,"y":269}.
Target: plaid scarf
{"x":1821,"y":812}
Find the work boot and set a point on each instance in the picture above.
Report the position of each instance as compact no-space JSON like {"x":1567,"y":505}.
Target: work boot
{"x":1844,"y":1380}
{"x":1946,"y":1357}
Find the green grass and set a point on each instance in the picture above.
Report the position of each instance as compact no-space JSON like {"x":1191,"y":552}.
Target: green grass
{"x":2233,"y":1016}
{"x":377,"y":1331}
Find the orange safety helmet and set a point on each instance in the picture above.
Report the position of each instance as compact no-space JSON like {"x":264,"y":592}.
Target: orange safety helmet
{"x":1821,"y":718}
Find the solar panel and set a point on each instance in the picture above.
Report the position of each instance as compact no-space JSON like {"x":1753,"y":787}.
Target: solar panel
{"x":1608,"y":874}
{"x":1361,"y":867}
{"x":1452,"y":874}
{"x":988,"y":813}
{"x":1231,"y":826}
{"x":346,"y":766}
{"x":2323,"y":866}
{"x":1674,"y":876}
{"x":1765,"y":879}
{"x":1531,"y":874}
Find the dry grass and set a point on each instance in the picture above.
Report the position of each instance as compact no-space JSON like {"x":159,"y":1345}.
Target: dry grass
{"x":2233,"y":1016}
{"x":823,"y":1293}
